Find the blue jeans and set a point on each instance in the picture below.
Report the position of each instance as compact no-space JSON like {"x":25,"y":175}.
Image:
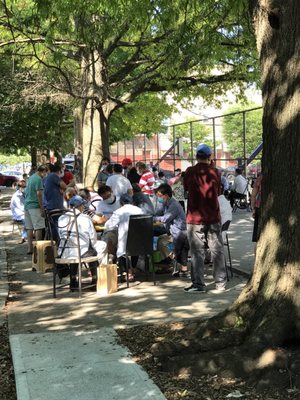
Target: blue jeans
{"x":198,"y":236}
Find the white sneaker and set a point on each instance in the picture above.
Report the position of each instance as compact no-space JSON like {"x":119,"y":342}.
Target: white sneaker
{"x":220,"y":289}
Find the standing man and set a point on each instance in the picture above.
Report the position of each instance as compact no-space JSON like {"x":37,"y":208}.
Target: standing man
{"x":54,"y":195}
{"x":34,"y":211}
{"x":203,"y":183}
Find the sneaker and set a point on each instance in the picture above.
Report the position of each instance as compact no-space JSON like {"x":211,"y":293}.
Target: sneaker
{"x":176,"y":274}
{"x":74,"y":285}
{"x":194,"y":289}
{"x":220,"y":289}
{"x":185,"y":274}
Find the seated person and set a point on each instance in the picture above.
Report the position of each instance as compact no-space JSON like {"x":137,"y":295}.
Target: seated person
{"x":226,"y":215}
{"x":69,"y":193}
{"x":97,"y":219}
{"x":89,"y":245}
{"x":239,"y":186}
{"x":118,"y":182}
{"x":174,"y":220}
{"x":141,"y":200}
{"x":225,"y":207}
{"x":17,"y":207}
{"x":95,"y":198}
{"x":109,"y":204}
{"x":120,"y":220}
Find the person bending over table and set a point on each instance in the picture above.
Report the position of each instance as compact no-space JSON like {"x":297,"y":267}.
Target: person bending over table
{"x":97,"y":219}
{"x":89,"y":245}
{"x":174,"y":221}
{"x":120,"y":221}
{"x":109,"y":204}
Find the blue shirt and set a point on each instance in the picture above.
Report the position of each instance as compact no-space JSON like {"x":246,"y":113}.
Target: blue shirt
{"x":174,"y":217}
{"x":53,"y":197}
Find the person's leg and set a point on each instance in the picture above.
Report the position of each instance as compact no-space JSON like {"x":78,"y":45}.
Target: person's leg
{"x":232,"y":197}
{"x":38,"y":223}
{"x":181,"y":250}
{"x":111,"y":240}
{"x":215,"y":243}
{"x":73,"y":276}
{"x":162,"y":246}
{"x":196,"y":237}
{"x":101,"y":248}
{"x":38,"y":234}
{"x":29,"y":228}
{"x":30,"y":240}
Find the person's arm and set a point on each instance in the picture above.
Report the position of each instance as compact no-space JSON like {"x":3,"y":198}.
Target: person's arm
{"x":62,"y":185}
{"x":169,"y":215}
{"x":39,"y":194}
{"x":113,"y":222}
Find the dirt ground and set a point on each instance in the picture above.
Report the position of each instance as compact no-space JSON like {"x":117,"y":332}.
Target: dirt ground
{"x":184,"y":385}
{"x":175,"y":386}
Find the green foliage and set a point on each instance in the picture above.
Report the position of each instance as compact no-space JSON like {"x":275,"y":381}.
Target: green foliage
{"x":12,"y":159}
{"x":145,"y":115}
{"x":233,"y":129}
{"x":200,"y":133}
{"x":189,"y":47}
{"x":27,"y":120}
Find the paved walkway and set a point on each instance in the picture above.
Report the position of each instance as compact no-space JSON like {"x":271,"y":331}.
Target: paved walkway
{"x":67,"y":348}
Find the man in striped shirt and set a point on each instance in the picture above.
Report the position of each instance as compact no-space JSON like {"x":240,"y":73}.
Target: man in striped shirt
{"x":147,"y":180}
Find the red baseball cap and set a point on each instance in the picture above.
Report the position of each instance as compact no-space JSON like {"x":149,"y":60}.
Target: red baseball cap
{"x":126,"y":162}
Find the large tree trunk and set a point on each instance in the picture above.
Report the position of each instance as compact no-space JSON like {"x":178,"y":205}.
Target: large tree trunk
{"x":277,"y":269}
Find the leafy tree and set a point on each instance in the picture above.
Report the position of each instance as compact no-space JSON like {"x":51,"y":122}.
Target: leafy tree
{"x":109,"y":53}
{"x":145,"y":115}
{"x":29,"y":118}
{"x":234,"y":125}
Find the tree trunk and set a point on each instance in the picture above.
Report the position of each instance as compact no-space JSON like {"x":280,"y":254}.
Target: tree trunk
{"x":95,"y":116}
{"x":276,"y":277}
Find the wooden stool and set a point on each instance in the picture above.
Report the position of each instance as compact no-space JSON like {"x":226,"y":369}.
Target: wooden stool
{"x":43,"y":255}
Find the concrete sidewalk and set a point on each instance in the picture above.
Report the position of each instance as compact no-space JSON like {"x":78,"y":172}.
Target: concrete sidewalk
{"x":67,"y":348}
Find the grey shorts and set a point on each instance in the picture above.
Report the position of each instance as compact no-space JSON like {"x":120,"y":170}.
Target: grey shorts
{"x":33,"y":219}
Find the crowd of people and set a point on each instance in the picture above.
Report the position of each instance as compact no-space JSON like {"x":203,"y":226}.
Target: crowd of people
{"x":188,"y":210}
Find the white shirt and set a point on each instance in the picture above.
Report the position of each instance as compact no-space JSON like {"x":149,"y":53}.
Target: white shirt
{"x":239,"y":184}
{"x":86,"y":232}
{"x":120,"y":220}
{"x":17,"y":205}
{"x":119,"y":184}
{"x":107,"y":209}
{"x":225,"y":209}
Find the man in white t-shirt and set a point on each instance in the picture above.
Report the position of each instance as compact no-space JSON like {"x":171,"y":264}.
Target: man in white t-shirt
{"x":238,"y":188}
{"x":118,"y":183}
{"x":109,"y":202}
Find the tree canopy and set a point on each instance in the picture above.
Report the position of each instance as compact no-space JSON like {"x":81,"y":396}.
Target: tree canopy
{"x":233,"y":129}
{"x":107,"y":54}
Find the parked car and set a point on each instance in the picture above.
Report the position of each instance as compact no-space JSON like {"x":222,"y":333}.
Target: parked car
{"x":8,"y":180}
{"x":15,"y":173}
